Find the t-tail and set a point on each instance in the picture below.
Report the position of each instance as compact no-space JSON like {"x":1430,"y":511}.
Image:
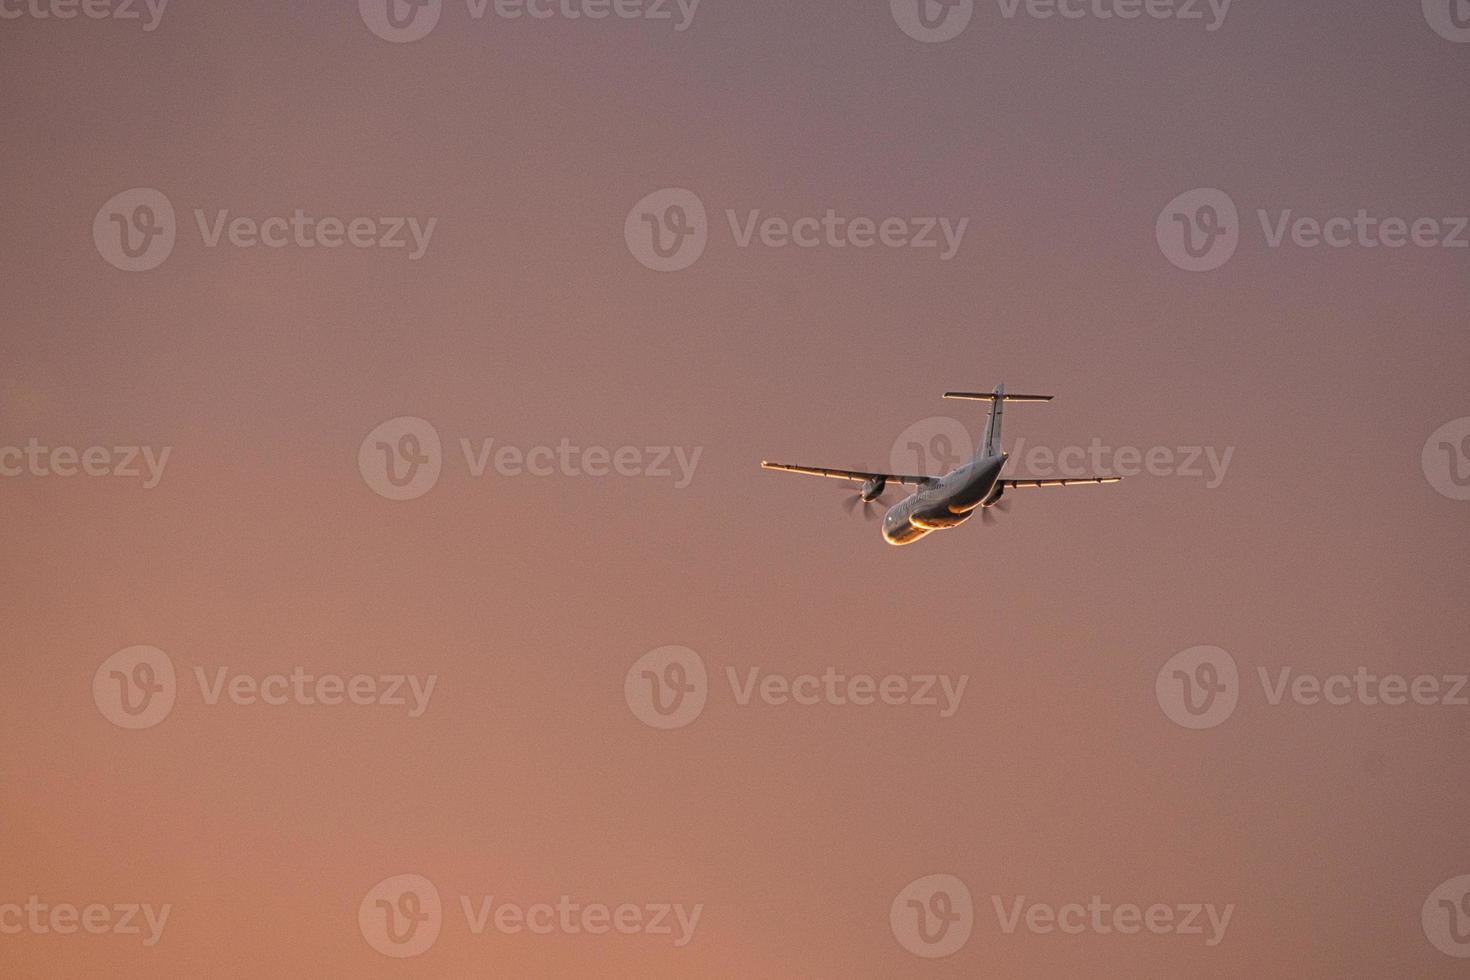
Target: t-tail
{"x":990,"y":442}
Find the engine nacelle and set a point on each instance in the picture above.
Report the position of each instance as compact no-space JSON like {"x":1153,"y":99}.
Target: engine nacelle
{"x":940,"y":520}
{"x":873,"y":488}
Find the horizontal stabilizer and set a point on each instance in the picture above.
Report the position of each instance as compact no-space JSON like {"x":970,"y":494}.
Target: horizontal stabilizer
{"x":989,"y":396}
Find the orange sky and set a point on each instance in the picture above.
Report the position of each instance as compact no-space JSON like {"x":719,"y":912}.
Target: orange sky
{"x":794,"y":828}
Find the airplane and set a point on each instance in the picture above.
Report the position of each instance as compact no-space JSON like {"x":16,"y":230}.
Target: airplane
{"x":942,"y":502}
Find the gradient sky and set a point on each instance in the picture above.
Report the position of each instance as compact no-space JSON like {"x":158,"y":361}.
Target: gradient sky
{"x":1324,"y":548}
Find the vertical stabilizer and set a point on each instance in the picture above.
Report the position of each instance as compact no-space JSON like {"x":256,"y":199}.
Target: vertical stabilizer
{"x":990,"y":443}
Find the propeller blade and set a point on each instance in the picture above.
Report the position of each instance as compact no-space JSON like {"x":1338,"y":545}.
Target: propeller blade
{"x":1003,"y":505}
{"x":986,"y":517}
{"x":850,"y":503}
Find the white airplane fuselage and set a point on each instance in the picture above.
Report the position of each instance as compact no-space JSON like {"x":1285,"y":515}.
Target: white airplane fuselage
{"x":948,"y":501}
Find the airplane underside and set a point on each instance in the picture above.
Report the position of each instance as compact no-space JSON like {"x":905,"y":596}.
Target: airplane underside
{"x":904,"y":534}
{"x":917,"y":516}
{"x":908,"y":528}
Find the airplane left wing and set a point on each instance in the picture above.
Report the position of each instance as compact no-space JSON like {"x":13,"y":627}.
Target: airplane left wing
{"x":1023,"y":484}
{"x":858,"y":475}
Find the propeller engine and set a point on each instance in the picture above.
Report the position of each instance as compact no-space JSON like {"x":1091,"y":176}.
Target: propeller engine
{"x":872,"y":491}
{"x":987,"y":518}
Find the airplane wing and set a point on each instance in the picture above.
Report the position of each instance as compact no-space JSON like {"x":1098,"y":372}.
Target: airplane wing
{"x":1024,"y":484}
{"x":859,"y":475}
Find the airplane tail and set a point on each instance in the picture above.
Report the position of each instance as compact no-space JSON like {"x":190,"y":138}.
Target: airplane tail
{"x":990,"y":442}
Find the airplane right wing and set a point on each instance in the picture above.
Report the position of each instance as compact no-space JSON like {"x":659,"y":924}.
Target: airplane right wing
{"x":1024,"y":484}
